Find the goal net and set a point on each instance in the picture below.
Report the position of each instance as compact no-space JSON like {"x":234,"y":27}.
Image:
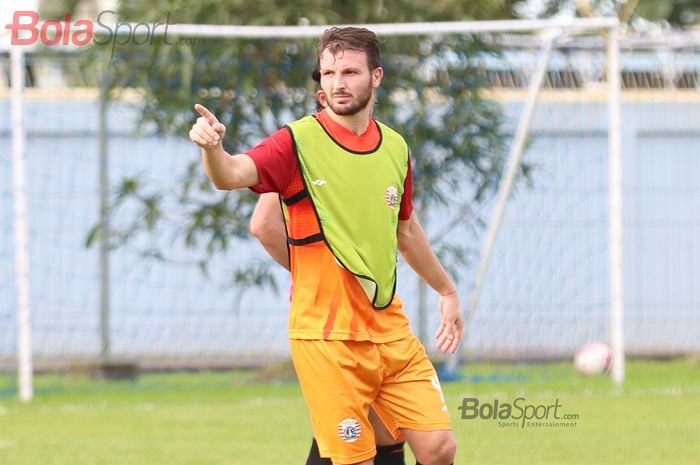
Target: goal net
{"x":132,"y":256}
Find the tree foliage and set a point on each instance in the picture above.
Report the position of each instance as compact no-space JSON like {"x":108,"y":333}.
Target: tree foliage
{"x":431,"y":93}
{"x":677,"y":13}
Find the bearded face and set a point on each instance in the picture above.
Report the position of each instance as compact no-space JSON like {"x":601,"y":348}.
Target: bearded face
{"x":346,"y":81}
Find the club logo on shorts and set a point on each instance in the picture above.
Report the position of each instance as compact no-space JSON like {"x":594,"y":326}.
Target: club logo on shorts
{"x":349,"y":430}
{"x":392,"y":197}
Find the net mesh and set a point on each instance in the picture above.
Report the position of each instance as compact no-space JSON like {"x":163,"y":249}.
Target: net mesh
{"x":173,"y":295}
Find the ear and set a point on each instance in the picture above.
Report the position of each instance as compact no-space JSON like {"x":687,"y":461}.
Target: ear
{"x":321,"y":98}
{"x":377,"y":76}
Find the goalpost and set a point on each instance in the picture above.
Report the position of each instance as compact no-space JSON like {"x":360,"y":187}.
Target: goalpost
{"x":616,"y":337}
{"x":21,"y":230}
{"x":553,"y":31}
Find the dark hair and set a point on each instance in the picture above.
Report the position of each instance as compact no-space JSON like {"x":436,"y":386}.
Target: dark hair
{"x":316,"y":76}
{"x":360,"y":39}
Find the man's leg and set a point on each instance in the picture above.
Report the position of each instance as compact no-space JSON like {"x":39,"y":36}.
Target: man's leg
{"x":314,"y":457}
{"x":432,"y":447}
{"x":389,"y":450}
{"x":339,"y":379}
{"x":324,"y":461}
{"x":391,"y":454}
{"x":411,"y":400}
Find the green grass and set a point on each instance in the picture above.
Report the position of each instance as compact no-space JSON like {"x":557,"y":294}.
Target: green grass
{"x":234,"y":418}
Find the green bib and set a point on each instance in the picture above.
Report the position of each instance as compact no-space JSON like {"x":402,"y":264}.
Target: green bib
{"x":356,"y":197}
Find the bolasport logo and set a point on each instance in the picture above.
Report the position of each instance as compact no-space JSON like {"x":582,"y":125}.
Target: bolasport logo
{"x":26,"y":29}
{"x":518,"y":414}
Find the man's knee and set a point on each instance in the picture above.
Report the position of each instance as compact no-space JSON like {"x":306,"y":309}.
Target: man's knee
{"x":441,"y":450}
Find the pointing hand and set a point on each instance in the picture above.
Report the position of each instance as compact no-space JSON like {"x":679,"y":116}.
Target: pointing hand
{"x":207,"y":132}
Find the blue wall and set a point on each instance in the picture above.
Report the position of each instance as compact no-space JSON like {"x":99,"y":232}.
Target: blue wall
{"x":546,"y":292}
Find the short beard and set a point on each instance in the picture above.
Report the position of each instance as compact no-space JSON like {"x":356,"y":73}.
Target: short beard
{"x":353,"y":109}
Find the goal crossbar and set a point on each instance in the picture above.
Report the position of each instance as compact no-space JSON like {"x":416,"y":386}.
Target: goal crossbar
{"x":395,"y":29}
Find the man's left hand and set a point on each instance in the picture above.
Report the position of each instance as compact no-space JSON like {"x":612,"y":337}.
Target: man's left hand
{"x":449,"y":334}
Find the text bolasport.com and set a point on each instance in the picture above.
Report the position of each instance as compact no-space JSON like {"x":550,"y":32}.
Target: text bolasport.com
{"x":83,"y":31}
{"x":518,"y":414}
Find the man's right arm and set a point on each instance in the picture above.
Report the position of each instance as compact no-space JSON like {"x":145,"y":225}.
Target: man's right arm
{"x":225,"y":171}
{"x":229,"y":172}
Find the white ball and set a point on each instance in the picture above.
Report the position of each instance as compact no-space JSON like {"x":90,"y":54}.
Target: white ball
{"x":593,"y":358}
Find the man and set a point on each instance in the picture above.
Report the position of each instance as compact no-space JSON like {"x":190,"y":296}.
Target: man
{"x":345,"y":179}
{"x":267,"y":224}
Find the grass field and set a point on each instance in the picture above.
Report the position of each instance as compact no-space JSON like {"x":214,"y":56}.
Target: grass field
{"x":243,"y":418}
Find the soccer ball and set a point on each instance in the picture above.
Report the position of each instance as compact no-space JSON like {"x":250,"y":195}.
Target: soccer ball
{"x":593,"y":358}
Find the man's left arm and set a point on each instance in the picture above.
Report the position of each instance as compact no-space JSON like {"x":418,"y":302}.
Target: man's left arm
{"x":415,"y":249}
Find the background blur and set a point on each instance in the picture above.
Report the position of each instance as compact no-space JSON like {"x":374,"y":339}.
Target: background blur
{"x":139,"y":269}
{"x":185,"y":284}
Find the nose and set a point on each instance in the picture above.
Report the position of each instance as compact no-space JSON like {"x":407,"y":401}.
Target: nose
{"x":339,"y":82}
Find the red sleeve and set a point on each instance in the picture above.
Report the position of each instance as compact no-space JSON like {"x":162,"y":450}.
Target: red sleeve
{"x":407,"y":197}
{"x":275,"y":161}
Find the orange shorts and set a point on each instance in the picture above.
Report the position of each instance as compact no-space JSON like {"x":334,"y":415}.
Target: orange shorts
{"x":341,"y":379}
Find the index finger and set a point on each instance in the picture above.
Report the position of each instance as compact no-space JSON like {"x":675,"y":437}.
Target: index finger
{"x":202,"y":110}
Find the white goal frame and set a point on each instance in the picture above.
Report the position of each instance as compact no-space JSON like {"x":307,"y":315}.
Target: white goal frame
{"x":610,"y":26}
